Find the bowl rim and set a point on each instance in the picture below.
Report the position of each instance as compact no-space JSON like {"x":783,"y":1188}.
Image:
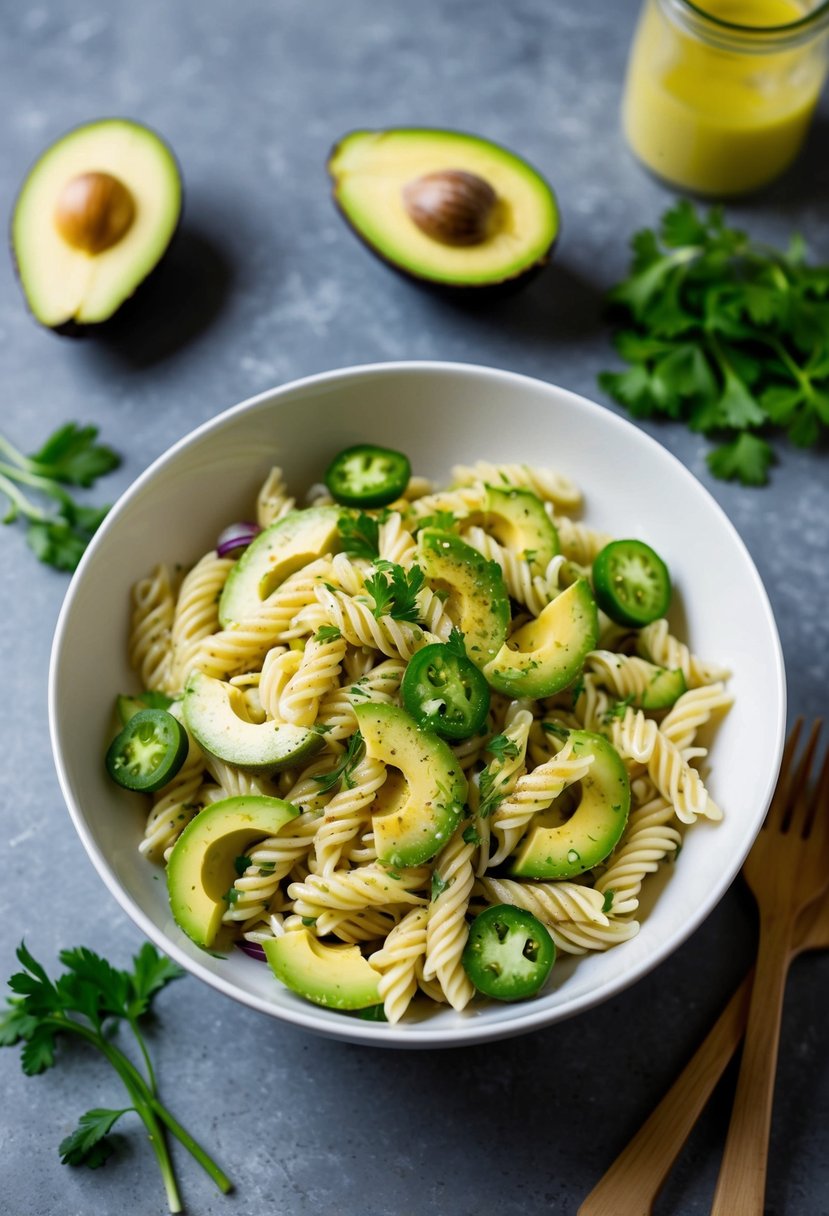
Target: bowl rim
{"x":528,"y":1016}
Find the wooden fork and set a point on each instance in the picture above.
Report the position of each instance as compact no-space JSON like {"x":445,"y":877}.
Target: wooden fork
{"x":786,"y":869}
{"x":631,"y":1185}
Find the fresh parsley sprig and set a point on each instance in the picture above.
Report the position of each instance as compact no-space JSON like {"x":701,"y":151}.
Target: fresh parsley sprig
{"x":726,"y":334}
{"x":59,"y":532}
{"x":344,"y":767}
{"x":492,"y":782}
{"x":88,"y":1001}
{"x":395,"y":590}
{"x":360,"y":535}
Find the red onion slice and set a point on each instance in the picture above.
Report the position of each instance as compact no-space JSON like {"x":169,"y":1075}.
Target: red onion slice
{"x":236,"y":538}
{"x":252,"y":949}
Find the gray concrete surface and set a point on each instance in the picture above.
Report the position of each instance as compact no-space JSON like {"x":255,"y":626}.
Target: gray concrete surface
{"x":266,"y":284}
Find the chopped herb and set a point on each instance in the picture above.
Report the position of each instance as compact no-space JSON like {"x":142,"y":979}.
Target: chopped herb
{"x":71,"y":457}
{"x":530,"y":555}
{"x":441,"y":521}
{"x":344,"y":767}
{"x":618,"y":709}
{"x":553,"y":728}
{"x":608,"y":900}
{"x":439,"y":885}
{"x":455,"y":643}
{"x":231,"y":896}
{"x":309,"y":921}
{"x":470,"y":836}
{"x":395,"y":590}
{"x":327,"y":633}
{"x":502,"y":748}
{"x":360,"y":535}
{"x":87,"y":1001}
{"x":577,"y":688}
{"x":240,"y":864}
{"x":322,"y":728}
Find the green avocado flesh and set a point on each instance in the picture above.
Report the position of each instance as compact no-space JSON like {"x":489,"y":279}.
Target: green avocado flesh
{"x":477,"y":594}
{"x":370,"y":170}
{"x":517,"y":519}
{"x":63,"y":282}
{"x":562,"y":850}
{"x":421,"y":801}
{"x":259,"y":747}
{"x":201,"y":869}
{"x":292,"y":542}
{"x":548,"y":653}
{"x":335,"y":976}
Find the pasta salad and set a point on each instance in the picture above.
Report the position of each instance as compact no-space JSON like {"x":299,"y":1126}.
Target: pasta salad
{"x":405,"y":742}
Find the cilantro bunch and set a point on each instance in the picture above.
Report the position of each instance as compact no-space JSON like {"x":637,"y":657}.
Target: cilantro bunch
{"x":57,"y":533}
{"x":87,"y":1002}
{"x":726,"y":334}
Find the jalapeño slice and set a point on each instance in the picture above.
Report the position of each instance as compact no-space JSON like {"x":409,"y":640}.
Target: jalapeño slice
{"x":445,"y":692}
{"x":509,"y":953}
{"x":631,"y":583}
{"x":149,"y":751}
{"x":367,"y":476}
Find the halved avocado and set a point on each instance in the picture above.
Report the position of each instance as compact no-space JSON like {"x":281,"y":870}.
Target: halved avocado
{"x":444,"y":206}
{"x":335,"y":976}
{"x":258,"y":747}
{"x":201,"y":869}
{"x":516,"y":517}
{"x":595,"y":827}
{"x":296,"y":539}
{"x":477,"y":595}
{"x":547,"y":653}
{"x":94,"y":216}
{"x":418,"y":808}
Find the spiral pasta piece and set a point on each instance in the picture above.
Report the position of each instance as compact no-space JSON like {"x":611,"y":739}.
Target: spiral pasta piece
{"x":358,"y":625}
{"x":353,"y":890}
{"x":398,"y":961}
{"x":522,"y":579}
{"x":655,"y":642}
{"x":460,"y":502}
{"x":150,"y":643}
{"x":273,"y":500}
{"x":369,"y":925}
{"x":317,"y":674}
{"x":270,"y":861}
{"x":347,"y":814}
{"x":623,"y":674}
{"x":395,"y":541}
{"x":534,"y":791}
{"x":244,"y":646}
{"x":693,"y":710}
{"x":446,"y":927}
{"x":572,"y":918}
{"x":196,"y":613}
{"x":548,"y":485}
{"x":638,"y":738}
{"x":649,"y":837}
{"x":175,"y":805}
{"x":577,"y":541}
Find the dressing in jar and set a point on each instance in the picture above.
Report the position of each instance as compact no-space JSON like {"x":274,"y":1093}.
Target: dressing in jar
{"x":719,"y":93}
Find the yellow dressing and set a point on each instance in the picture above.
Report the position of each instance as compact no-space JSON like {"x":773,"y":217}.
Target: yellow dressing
{"x":721,"y":119}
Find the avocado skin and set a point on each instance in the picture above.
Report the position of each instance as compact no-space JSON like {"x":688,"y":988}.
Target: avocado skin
{"x":453,"y":291}
{"x":80,"y":329}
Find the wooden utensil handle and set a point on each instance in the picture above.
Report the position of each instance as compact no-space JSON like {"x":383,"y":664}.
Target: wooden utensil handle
{"x":741,"y":1185}
{"x":632,"y":1183}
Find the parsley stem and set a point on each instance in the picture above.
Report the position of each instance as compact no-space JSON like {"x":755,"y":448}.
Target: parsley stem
{"x":153,"y":1085}
{"x":20,"y":504}
{"x":204,"y":1159}
{"x":793,"y":368}
{"x":44,"y":484}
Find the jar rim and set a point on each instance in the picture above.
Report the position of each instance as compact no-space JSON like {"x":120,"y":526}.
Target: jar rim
{"x":760,"y":33}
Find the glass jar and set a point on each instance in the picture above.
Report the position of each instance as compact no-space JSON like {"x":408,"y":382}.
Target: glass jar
{"x":719,"y":94}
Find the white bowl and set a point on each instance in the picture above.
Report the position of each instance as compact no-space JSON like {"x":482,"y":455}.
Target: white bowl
{"x":440,"y":414}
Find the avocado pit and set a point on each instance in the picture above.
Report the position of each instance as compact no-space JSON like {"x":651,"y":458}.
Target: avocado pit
{"x":94,"y":211}
{"x":452,"y":206}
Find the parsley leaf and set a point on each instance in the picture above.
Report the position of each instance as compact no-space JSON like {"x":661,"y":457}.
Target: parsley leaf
{"x":724,"y":334}
{"x":327,"y":633}
{"x":395,"y":591}
{"x":439,"y":885}
{"x":345,"y":766}
{"x":360,"y":535}
{"x":87,"y":1001}
{"x":89,"y":1144}
{"x":58,"y":535}
{"x":502,"y":748}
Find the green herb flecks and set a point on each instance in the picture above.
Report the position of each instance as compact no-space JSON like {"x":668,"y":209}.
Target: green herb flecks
{"x":327,"y":633}
{"x":726,"y":334}
{"x":345,"y":766}
{"x":59,"y":532}
{"x":88,"y":1001}
{"x":360,"y":535}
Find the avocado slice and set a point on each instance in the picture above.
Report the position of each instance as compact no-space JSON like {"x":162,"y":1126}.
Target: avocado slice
{"x":416,"y":810}
{"x":563,"y":850}
{"x":516,"y":517}
{"x":443,"y":206}
{"x":201,"y":868}
{"x":477,"y":595}
{"x":296,"y":539}
{"x":93,"y":217}
{"x":547,"y":653}
{"x":264,"y":747}
{"x":335,"y":976}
